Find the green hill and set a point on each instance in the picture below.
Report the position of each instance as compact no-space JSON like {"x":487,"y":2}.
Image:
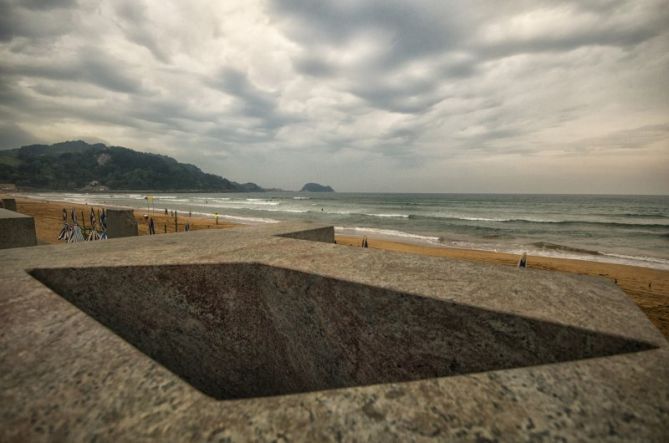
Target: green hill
{"x":75,"y":165}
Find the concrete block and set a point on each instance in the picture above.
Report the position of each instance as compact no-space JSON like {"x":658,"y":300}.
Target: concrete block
{"x":121,"y":223}
{"x":9,"y":203}
{"x":320,"y":234}
{"x":161,"y":336}
{"x":16,"y":230}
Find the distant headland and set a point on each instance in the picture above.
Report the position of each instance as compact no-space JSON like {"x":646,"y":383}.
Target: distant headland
{"x":315,"y":187}
{"x":77,"y":165}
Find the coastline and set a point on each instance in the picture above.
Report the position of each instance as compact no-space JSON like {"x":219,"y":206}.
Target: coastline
{"x":610,"y":231}
{"x":647,"y":287}
{"x":539,"y":249}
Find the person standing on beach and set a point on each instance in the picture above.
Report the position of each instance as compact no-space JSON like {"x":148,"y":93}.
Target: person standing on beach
{"x":152,"y":227}
{"x":522,"y":263}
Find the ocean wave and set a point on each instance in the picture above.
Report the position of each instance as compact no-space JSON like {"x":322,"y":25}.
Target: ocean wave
{"x":633,"y":258}
{"x":590,"y":222}
{"x":634,"y":215}
{"x":388,"y":215}
{"x":558,"y":247}
{"x":249,"y":220}
{"x":301,"y":198}
{"x":544,"y":249}
{"x":288,"y":210}
{"x":457,"y":218}
{"x":264,"y":208}
{"x":257,"y":201}
{"x":241,"y":219}
{"x":387,"y":233}
{"x":536,"y":220}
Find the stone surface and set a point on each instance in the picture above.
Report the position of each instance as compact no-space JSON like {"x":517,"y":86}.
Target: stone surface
{"x":9,"y":203}
{"x":302,"y":340}
{"x":321,"y":234}
{"x":16,"y":230}
{"x":121,"y":223}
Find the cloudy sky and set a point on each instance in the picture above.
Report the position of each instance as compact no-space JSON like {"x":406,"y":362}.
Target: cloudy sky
{"x":364,"y":95}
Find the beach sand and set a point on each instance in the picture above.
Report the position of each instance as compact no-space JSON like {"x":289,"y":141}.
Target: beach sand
{"x":648,"y":288}
{"x":49,"y":219}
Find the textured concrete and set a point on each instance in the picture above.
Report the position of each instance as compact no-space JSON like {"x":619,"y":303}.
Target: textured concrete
{"x":9,"y":203}
{"x":16,"y":230}
{"x":244,"y":335}
{"x":321,"y":234}
{"x":121,"y":223}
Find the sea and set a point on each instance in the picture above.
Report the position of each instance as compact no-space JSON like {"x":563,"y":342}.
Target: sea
{"x":630,"y":229}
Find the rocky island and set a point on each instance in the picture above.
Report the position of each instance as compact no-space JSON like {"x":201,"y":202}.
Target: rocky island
{"x":315,"y":187}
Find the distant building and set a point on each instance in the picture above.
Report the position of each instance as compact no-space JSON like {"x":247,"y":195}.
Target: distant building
{"x":95,"y":186}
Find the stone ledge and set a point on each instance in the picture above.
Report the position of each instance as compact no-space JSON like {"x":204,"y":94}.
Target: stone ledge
{"x":16,"y":230}
{"x":68,"y":377}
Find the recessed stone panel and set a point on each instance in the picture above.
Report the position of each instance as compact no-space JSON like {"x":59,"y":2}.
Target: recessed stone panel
{"x":249,"y":330}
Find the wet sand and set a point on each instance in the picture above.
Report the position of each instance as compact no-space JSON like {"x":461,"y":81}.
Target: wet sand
{"x":648,"y":288}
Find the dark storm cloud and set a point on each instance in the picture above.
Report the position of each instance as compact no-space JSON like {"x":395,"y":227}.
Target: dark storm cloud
{"x":48,"y":21}
{"x":411,"y":31}
{"x":252,"y":101}
{"x":47,"y":4}
{"x":315,"y":66}
{"x":398,"y":99}
{"x":404,"y":33}
{"x":89,"y":65}
{"x":135,"y":24}
{"x":415,"y":32}
{"x":417,"y":86}
{"x":13,"y":136}
{"x":610,"y":35}
{"x":17,"y":104}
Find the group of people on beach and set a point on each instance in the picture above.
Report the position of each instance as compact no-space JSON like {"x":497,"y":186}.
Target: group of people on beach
{"x":152,"y":225}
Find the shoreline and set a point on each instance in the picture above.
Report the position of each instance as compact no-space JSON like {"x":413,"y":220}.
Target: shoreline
{"x":549,"y":250}
{"x":244,"y":209}
{"x":647,"y":287}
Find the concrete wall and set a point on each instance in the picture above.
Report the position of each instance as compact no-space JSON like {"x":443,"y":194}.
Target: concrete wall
{"x":324,"y":235}
{"x":9,"y":203}
{"x":16,"y":230}
{"x":121,"y":223}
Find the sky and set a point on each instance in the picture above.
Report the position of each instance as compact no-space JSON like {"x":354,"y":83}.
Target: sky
{"x":363,"y":95}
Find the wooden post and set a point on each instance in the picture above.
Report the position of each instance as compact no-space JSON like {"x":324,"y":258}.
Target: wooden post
{"x":176,"y":226}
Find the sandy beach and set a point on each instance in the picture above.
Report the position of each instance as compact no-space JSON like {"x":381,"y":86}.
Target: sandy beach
{"x":49,"y":219}
{"x":648,"y":288}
